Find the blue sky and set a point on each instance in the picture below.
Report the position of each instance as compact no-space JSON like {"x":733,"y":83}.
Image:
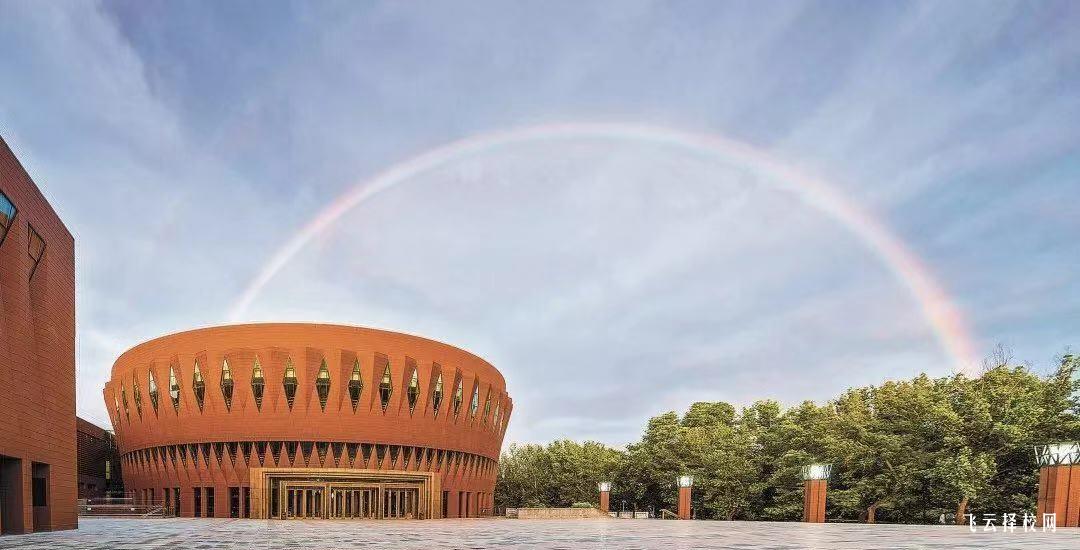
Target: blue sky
{"x":184,"y":142}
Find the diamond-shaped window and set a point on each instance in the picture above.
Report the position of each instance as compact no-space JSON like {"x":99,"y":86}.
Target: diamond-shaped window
{"x":123,"y":399}
{"x":459,"y":396}
{"x":198,"y":385}
{"x":474,"y":404}
{"x":356,"y":385}
{"x":437,"y":395}
{"x":151,"y":388}
{"x":174,"y":389}
{"x":386,"y":387}
{"x":289,"y":382}
{"x":258,"y":383}
{"x":413,"y":391}
{"x":322,"y":384}
{"x":226,"y":384}
{"x":136,"y":394}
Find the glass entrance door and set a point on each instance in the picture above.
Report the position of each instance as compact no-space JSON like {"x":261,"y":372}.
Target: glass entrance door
{"x":310,"y":499}
{"x":400,"y":503}
{"x":353,"y":502}
{"x":304,"y":501}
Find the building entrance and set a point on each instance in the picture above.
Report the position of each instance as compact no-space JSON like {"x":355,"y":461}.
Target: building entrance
{"x":348,"y":501}
{"x":346,"y":494}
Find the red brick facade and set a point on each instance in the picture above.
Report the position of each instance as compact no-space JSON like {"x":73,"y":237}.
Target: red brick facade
{"x":98,"y":462}
{"x":37,"y":359}
{"x":177,"y":446}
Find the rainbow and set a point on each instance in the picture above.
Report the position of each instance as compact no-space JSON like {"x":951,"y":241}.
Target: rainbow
{"x":937,"y":308}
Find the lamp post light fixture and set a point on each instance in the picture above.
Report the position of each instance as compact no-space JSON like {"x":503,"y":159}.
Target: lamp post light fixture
{"x":1058,"y":472}
{"x":685,"y":481}
{"x":816,"y":471}
{"x":1058,"y":454}
{"x":604,"y":486}
{"x":815,"y":485}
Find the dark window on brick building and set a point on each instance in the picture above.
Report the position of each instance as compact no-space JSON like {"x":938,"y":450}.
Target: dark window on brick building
{"x":413,"y":391}
{"x":437,"y":395}
{"x":197,"y":494}
{"x":226,"y":384}
{"x":356,"y":385}
{"x":258,"y":384}
{"x":7,"y":215}
{"x":40,"y":491}
{"x":174,"y":390}
{"x":234,"y":502}
{"x":290,"y":382}
{"x":198,"y":386}
{"x":458,"y":397}
{"x":322,"y":384}
{"x":474,"y":405}
{"x":386,"y":387}
{"x":35,"y":247}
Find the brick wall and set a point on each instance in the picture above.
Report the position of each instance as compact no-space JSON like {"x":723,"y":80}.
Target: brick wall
{"x":37,"y":360}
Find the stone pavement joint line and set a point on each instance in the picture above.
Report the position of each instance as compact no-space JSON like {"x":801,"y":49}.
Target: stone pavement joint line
{"x":143,"y":534}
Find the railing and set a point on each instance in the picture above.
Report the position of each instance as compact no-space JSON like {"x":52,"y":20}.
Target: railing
{"x":668,"y":514}
{"x":121,"y":507}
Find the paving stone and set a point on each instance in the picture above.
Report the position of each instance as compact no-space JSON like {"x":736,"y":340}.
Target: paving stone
{"x":144,"y":534}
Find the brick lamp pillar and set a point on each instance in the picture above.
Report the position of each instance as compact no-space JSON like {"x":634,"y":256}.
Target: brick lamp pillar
{"x":605,"y":494}
{"x":1059,"y":484}
{"x":685,"y":484}
{"x":815,"y":483}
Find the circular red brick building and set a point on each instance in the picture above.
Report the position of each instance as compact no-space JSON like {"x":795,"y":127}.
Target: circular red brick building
{"x":308,"y":420}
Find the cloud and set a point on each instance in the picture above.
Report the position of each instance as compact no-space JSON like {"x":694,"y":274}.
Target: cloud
{"x":183,"y":144}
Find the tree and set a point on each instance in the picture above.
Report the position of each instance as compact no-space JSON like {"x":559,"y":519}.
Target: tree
{"x":905,"y":451}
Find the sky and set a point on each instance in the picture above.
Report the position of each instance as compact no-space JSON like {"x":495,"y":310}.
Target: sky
{"x":610,"y":280}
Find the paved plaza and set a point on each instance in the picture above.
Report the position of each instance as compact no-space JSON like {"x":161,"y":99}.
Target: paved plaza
{"x":121,"y":534}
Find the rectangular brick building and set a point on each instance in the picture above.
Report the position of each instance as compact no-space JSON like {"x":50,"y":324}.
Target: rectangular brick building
{"x":37,"y":358}
{"x":99,"y":462}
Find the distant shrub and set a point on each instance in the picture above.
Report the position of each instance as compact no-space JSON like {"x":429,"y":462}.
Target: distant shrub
{"x":582,"y":505}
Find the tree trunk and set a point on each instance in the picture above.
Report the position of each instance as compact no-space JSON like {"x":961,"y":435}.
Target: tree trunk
{"x":960,"y":509}
{"x":871,"y":512}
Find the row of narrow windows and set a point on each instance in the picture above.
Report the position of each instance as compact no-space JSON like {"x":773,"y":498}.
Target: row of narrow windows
{"x":355,"y":386}
{"x":312,"y":453}
{"x":35,"y":245}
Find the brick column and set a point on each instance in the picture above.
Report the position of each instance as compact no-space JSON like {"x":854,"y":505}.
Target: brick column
{"x":1059,"y":494}
{"x":814,"y":500}
{"x":815,"y":483}
{"x":684,"y":502}
{"x":605,"y":494}
{"x":685,"y":484}
{"x":1059,"y":484}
